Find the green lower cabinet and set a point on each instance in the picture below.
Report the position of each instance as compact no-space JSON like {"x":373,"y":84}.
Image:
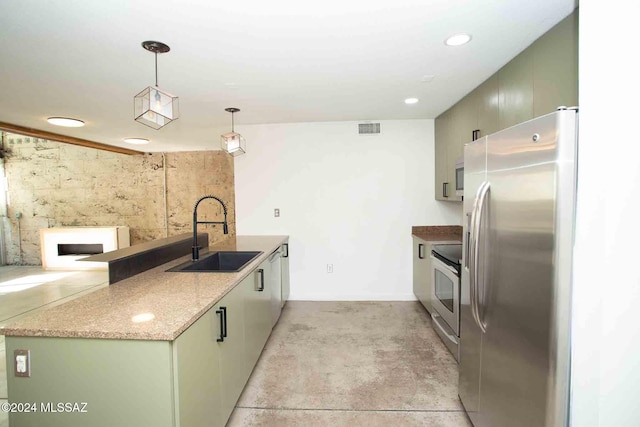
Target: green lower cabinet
{"x":234,"y":371}
{"x":123,"y":383}
{"x":257,"y":314}
{"x":197,"y":374}
{"x":193,"y":381}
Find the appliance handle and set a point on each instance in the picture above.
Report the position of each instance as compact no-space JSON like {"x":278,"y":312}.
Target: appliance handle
{"x":275,"y":254}
{"x":435,"y":318}
{"x":448,"y":267}
{"x":483,"y":193}
{"x":473,"y":243}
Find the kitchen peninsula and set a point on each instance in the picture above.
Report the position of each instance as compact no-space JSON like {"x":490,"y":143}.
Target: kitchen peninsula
{"x":159,"y":348}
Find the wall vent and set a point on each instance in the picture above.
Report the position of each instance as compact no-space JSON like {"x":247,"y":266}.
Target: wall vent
{"x":369,"y":128}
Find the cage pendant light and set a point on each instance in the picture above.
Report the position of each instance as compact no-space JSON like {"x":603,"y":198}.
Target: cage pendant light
{"x":232,"y":142}
{"x":153,"y":107}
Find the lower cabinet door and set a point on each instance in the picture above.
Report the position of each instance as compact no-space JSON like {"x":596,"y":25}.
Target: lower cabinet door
{"x":234,"y":370}
{"x":196,"y":358}
{"x":257,"y":315}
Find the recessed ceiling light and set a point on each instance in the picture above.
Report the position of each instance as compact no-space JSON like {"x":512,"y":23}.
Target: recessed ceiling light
{"x":137,"y":141}
{"x":66,"y":122}
{"x":458,"y":39}
{"x":411,"y":101}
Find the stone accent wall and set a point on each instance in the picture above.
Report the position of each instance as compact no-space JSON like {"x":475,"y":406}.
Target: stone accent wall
{"x":57,"y":185}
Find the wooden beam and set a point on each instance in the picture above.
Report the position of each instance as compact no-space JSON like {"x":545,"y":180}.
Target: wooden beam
{"x":8,"y":127}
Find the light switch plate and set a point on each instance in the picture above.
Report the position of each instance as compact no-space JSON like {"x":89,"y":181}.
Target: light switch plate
{"x":22,"y":363}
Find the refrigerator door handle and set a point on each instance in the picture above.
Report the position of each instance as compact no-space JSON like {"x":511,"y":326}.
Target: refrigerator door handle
{"x":474,"y":250}
{"x":483,"y":192}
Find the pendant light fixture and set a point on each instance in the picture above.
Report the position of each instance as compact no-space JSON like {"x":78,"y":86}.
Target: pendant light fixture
{"x":153,"y":107}
{"x":232,"y":142}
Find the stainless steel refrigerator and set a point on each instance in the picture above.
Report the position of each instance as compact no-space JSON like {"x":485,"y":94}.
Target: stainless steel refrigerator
{"x":515,"y":305}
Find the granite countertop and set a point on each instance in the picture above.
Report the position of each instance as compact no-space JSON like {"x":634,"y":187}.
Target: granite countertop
{"x":176,"y":300}
{"x":438,"y":233}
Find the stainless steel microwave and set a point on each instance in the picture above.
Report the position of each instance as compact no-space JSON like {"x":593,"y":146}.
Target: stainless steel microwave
{"x":460,"y":176}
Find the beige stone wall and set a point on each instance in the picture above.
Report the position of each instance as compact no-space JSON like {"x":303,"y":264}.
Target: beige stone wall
{"x":56,"y":185}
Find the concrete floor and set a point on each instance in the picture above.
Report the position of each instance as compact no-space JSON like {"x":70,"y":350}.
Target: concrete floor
{"x":352,"y":364}
{"x":326,"y":363}
{"x":24,"y":290}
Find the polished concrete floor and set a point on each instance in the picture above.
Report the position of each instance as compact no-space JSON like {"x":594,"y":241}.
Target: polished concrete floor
{"x":352,"y":364}
{"x":326,"y":363}
{"x":24,"y":290}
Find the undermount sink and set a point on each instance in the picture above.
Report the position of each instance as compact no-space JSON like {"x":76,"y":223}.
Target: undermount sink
{"x":219,"y":262}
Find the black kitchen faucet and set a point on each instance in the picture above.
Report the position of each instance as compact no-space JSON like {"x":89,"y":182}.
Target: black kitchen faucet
{"x":195,"y":254}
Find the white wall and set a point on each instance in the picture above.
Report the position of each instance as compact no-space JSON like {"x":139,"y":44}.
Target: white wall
{"x":606,"y":310}
{"x":345,"y":199}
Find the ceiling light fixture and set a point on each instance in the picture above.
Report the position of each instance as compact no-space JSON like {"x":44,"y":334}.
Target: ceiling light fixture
{"x":232,"y":142}
{"x":136,"y":141}
{"x":153,"y":107}
{"x":66,"y":122}
{"x":410,"y":101}
{"x":458,"y":39}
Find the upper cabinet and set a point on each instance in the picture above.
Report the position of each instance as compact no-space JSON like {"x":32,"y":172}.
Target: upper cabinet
{"x":537,"y":81}
{"x":555,"y":67}
{"x":488,"y":100}
{"x":515,"y":91}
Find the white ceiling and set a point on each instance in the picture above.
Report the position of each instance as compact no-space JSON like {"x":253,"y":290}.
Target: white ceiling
{"x":278,"y":61}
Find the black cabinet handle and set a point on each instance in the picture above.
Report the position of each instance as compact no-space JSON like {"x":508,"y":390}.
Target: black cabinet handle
{"x":445,"y":186}
{"x":420,"y":251}
{"x":475,"y":134}
{"x":261,"y":283}
{"x":223,"y":323}
{"x":224,"y":311}
{"x":286,"y":250}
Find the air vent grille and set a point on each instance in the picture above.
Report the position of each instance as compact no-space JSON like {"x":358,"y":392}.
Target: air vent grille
{"x":369,"y":128}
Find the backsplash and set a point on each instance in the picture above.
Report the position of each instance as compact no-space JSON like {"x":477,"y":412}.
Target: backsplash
{"x":57,"y":185}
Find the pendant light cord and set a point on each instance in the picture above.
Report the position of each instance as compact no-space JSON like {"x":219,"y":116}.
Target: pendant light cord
{"x":232,"y":122}
{"x":156,"y":55}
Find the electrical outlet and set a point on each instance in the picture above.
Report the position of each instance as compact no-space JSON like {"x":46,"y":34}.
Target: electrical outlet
{"x":276,"y":212}
{"x":22,"y":361}
{"x":329,"y":268}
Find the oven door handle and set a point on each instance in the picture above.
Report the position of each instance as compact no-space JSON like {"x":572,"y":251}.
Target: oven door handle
{"x":448,"y":267}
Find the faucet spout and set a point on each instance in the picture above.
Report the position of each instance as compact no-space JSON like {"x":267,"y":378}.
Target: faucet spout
{"x":195,"y":250}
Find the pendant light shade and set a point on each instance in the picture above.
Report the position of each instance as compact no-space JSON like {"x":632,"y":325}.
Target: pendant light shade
{"x":154,"y":107}
{"x":232,"y":142}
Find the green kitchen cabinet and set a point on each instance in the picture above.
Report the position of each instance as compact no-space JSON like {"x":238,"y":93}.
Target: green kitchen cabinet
{"x":555,"y":67}
{"x":193,"y":381}
{"x":535,"y":82}
{"x":234,"y":371}
{"x":515,"y":81}
{"x":197,"y":373}
{"x":454,"y":149}
{"x":442,"y":141}
{"x":487,"y":101}
{"x":123,"y":382}
{"x":421,"y":271}
{"x":257,"y":312}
